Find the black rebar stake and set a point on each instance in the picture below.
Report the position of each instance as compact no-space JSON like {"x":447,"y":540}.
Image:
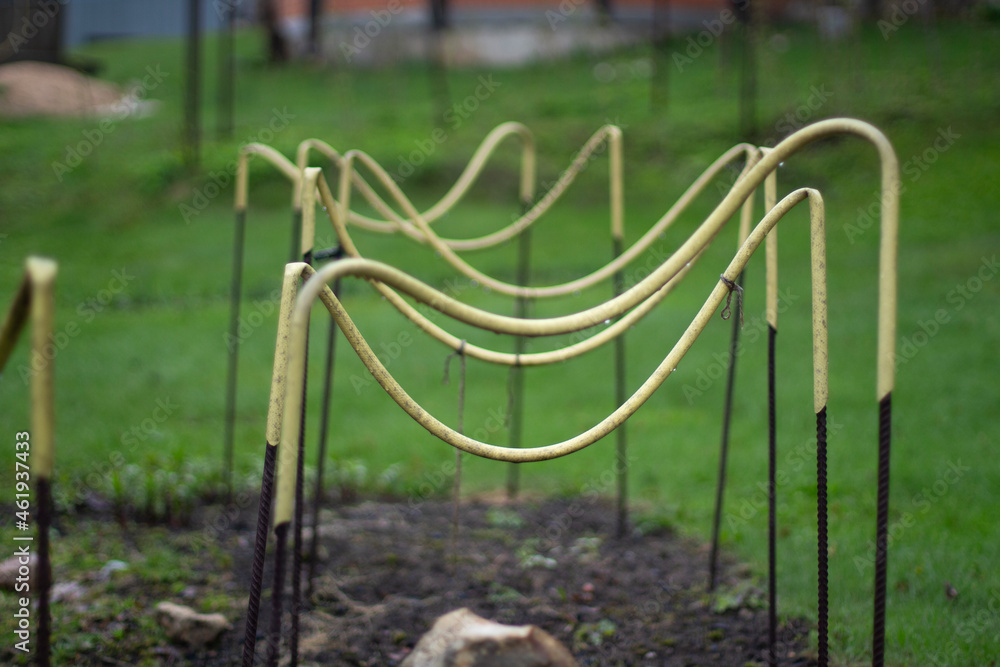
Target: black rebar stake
{"x":259,"y":553}
{"x":515,"y":408}
{"x":277,"y":593}
{"x":460,"y":428}
{"x":772,"y":559}
{"x":621,"y":434}
{"x":324,"y":425}
{"x":44,"y":652}
{"x":881,"y":529}
{"x":727,"y":411}
{"x":823,"y":574}
{"x":233,"y":345}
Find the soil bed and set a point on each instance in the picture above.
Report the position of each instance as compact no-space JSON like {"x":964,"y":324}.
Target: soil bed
{"x":387,"y":570}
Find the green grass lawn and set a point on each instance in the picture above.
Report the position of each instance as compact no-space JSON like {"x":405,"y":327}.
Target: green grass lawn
{"x":142,"y":300}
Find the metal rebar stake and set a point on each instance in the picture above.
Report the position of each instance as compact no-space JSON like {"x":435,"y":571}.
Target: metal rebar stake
{"x":233,"y":346}
{"x":727,"y":411}
{"x":516,"y":408}
{"x":621,"y":395}
{"x":324,"y":426}
{"x":259,"y":554}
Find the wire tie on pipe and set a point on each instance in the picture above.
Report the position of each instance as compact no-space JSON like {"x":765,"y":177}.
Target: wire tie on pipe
{"x":336,"y":252}
{"x":726,"y":313}
{"x":460,"y":352}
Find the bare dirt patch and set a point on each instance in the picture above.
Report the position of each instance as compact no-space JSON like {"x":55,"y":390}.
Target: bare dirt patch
{"x":387,"y":570}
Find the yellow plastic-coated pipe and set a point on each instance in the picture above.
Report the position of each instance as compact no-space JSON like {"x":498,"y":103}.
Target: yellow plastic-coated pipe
{"x":448,"y":253}
{"x":394,"y":222}
{"x":611,"y":332}
{"x":317,"y":287}
{"x":42,"y":274}
{"x":313,"y":176}
{"x":821,"y":359}
{"x":35,"y":301}
{"x":289,"y":291}
{"x":612,"y":134}
{"x":283,"y":164}
{"x":746,"y":213}
{"x":380,"y":226}
{"x":608,"y":133}
{"x":711,"y":226}
{"x":771,"y":251}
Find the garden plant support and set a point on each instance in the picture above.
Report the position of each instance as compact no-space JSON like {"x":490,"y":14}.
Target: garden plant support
{"x":387,"y":279}
{"x":35,"y":302}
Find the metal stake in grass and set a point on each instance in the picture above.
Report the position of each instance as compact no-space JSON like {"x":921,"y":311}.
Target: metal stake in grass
{"x":233,"y":339}
{"x":515,"y":410}
{"x":35,"y":300}
{"x":324,"y":426}
{"x":771,"y":314}
{"x":746,"y":215}
{"x":618,"y":286}
{"x":460,"y":428}
{"x":727,"y":411}
{"x":821,"y":393}
{"x":289,"y":291}
{"x":308,"y":233}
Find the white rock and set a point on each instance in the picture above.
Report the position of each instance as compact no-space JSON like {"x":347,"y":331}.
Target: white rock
{"x":463,"y":639}
{"x":10,"y":572}
{"x":185,"y":624}
{"x":110,"y":567}
{"x":67,"y":591}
